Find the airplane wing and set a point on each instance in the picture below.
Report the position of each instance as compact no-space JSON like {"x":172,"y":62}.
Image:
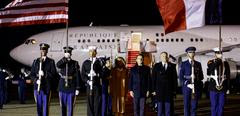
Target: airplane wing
{"x":224,"y":49}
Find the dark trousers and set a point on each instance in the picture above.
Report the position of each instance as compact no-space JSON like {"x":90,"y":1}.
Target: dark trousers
{"x":67,"y":102}
{"x":21,"y":91}
{"x":1,"y":98}
{"x":190,"y":105}
{"x":106,"y":105}
{"x":5,"y":93}
{"x":164,"y":109}
{"x":42,"y":99}
{"x":138,"y":104}
{"x":94,"y":102}
{"x":217,"y":103}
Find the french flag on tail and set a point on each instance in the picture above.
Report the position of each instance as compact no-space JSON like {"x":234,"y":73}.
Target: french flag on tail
{"x":182,"y":14}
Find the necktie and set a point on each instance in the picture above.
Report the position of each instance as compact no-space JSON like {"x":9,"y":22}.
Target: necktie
{"x":164,"y":66}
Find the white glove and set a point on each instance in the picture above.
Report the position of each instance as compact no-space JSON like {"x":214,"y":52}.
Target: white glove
{"x":25,"y":74}
{"x":191,"y":86}
{"x":76,"y":92}
{"x":131,"y":94}
{"x":228,"y":92}
{"x":92,"y":73}
{"x":147,"y":94}
{"x":154,"y":93}
{"x":38,"y":82}
{"x":7,"y":78}
{"x":90,"y":83}
{"x":41,"y":73}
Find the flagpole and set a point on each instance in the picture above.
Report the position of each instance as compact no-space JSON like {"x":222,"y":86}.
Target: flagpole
{"x":220,"y":24}
{"x":67,"y":25}
{"x":220,"y":37}
{"x":66,"y":75}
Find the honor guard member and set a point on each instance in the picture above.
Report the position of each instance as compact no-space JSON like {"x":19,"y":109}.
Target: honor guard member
{"x":164,"y":85}
{"x":219,"y":73}
{"x":21,"y":85}
{"x":139,"y":85}
{"x":91,"y":74}
{"x":2,"y":81}
{"x":43,"y":71}
{"x":69,"y":82}
{"x":191,"y":77}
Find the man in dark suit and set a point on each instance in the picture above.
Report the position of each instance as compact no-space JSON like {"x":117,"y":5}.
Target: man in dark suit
{"x":43,"y":71}
{"x":139,"y":85}
{"x":69,"y":82}
{"x":219,"y":73}
{"x":191,"y":77}
{"x":164,"y":78}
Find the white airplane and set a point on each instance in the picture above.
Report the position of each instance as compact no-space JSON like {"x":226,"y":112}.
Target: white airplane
{"x":110,"y":38}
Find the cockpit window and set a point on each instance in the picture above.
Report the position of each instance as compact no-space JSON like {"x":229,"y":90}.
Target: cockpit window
{"x":30,"y":41}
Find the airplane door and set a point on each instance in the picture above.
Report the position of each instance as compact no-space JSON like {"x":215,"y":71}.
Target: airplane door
{"x":123,"y":43}
{"x":57,"y":42}
{"x":135,"y":41}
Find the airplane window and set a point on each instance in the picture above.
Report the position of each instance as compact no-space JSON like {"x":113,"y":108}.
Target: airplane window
{"x":172,"y":40}
{"x":196,"y":39}
{"x":181,"y":39}
{"x":98,"y":40}
{"x":75,"y":46}
{"x":162,"y":40}
{"x":108,"y":40}
{"x":235,"y":39}
{"x":201,"y":39}
{"x":177,"y":40}
{"x":79,"y":41}
{"x":162,"y":34}
{"x":113,"y":40}
{"x":103,"y":40}
{"x":157,"y":34}
{"x":89,"y":40}
{"x":191,"y":39}
{"x":84,"y":41}
{"x":167,"y":40}
{"x":157,"y":40}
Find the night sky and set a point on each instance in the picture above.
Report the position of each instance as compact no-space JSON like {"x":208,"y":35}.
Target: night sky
{"x":101,"y":13}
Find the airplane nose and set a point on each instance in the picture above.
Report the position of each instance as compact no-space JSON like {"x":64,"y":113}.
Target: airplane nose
{"x":23,"y":54}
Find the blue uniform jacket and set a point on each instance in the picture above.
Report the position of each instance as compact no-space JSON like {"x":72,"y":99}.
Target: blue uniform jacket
{"x":186,"y":71}
{"x":73,"y":73}
{"x":49,"y":69}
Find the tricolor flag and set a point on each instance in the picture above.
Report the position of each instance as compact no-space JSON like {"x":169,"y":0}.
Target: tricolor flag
{"x":182,"y":14}
{"x":214,"y":12}
{"x":28,"y":12}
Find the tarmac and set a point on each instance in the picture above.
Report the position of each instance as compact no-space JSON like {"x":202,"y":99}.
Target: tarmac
{"x":232,"y":107}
